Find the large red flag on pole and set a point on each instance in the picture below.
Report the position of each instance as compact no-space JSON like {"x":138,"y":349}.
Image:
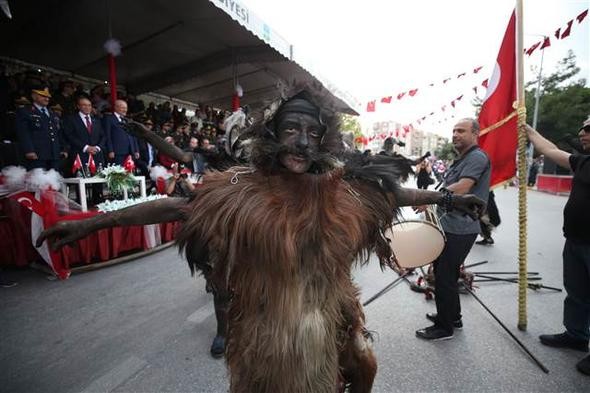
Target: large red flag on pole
{"x":502,"y":115}
{"x":498,"y":115}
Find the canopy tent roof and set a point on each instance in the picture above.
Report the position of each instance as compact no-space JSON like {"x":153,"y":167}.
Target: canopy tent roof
{"x":190,"y":50}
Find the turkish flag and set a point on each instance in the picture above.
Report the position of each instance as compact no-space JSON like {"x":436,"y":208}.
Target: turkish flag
{"x":77,"y":164}
{"x":400,"y":95}
{"x":546,"y":43}
{"x":43,"y":215}
{"x":497,"y":118}
{"x":386,"y":100}
{"x":413,"y":92}
{"x":129,"y":164}
{"x":371,"y":106}
{"x":581,"y":17}
{"x":91,"y":164}
{"x":567,"y":30}
{"x":477,"y":69}
{"x":530,"y":50}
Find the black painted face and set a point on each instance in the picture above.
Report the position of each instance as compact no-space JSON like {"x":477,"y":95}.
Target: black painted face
{"x":300,"y":136}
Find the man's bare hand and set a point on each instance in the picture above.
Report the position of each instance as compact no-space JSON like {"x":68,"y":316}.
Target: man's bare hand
{"x":469,"y":204}
{"x":31,"y":156}
{"x":64,"y":232}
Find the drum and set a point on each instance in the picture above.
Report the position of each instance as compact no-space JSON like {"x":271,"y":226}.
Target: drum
{"x":417,"y":243}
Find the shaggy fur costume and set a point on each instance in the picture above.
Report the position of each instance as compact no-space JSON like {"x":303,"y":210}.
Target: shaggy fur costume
{"x":284,"y":245}
{"x":288,"y":243}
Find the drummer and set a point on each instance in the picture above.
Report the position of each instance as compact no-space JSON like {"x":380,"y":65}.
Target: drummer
{"x":469,"y":174}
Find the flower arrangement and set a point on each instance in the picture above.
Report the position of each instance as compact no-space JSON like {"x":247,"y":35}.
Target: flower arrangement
{"x":110,"y":206}
{"x":117,"y":178}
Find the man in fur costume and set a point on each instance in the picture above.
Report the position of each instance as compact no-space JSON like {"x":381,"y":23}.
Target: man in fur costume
{"x":282,"y":235}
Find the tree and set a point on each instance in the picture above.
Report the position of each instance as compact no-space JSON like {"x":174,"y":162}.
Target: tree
{"x":446,"y":152}
{"x":350,"y":124}
{"x":563,"y":104}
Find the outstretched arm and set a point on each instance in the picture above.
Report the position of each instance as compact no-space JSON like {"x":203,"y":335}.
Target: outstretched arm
{"x":152,"y":212}
{"x":468,"y":204}
{"x":548,"y":148}
{"x":160,"y":144}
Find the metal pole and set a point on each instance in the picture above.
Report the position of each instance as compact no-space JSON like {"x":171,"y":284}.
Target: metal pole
{"x":537,"y":361}
{"x":538,"y":92}
{"x":386,"y":289}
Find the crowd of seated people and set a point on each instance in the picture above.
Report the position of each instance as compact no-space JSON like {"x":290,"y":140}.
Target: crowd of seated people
{"x":46,"y":121}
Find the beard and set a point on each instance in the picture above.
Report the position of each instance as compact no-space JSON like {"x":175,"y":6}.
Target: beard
{"x":265,"y":154}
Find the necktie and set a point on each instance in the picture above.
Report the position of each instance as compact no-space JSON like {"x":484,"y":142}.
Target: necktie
{"x":88,"y":124}
{"x":44,"y":110}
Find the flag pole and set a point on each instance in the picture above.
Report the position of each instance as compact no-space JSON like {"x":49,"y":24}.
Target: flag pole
{"x":522,"y":175}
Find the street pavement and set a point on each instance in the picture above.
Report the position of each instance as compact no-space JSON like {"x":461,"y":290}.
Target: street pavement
{"x":146,"y":325}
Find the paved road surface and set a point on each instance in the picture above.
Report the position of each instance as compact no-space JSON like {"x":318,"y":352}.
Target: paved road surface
{"x":146,"y":326}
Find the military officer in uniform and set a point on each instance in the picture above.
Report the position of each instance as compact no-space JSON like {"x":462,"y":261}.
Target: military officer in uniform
{"x":38,"y":131}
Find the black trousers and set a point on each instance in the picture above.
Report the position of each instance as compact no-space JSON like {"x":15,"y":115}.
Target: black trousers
{"x":446,"y":273}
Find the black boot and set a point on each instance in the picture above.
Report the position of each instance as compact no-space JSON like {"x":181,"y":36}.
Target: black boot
{"x":220,"y":302}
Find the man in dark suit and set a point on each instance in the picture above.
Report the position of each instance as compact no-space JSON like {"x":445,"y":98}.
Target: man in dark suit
{"x":120,"y":143}
{"x":38,"y":131}
{"x":85,"y":134}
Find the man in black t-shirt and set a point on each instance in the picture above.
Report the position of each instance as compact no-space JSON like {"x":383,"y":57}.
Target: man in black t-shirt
{"x":576,"y":251}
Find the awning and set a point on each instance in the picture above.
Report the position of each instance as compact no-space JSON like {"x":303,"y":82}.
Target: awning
{"x":191,"y":50}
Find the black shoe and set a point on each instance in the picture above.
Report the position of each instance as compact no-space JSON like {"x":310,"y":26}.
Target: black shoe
{"x":488,"y":241}
{"x":218,"y":347}
{"x":583,"y":365}
{"x":431,"y":316}
{"x":434,"y":333}
{"x":564,"y":340}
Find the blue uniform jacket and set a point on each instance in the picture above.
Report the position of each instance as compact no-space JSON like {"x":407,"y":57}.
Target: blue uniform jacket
{"x":39,"y":134}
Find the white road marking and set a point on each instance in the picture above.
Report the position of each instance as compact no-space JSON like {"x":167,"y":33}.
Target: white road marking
{"x":202,"y":313}
{"x":116,"y":376}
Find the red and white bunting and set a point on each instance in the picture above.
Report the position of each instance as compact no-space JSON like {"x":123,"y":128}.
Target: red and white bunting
{"x":558,"y":34}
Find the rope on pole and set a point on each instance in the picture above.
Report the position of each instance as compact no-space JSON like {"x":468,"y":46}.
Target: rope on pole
{"x":522,"y":171}
{"x":522,"y":221}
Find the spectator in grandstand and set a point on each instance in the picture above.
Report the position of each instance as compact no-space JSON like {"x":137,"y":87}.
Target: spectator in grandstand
{"x":165,"y":129}
{"x":151,"y":112}
{"x":182,"y":135}
{"x":147,"y":153}
{"x":136,"y":106}
{"x":179,"y":184}
{"x":97,"y":97}
{"x":163,"y":159}
{"x":39,"y":133}
{"x":84,"y":133}
{"x":65,"y":98}
{"x":164,"y":112}
{"x":120,"y":143}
